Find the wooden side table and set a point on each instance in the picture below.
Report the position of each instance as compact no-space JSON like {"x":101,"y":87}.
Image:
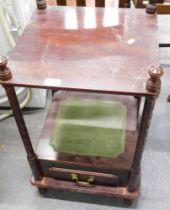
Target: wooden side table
{"x":112,"y":55}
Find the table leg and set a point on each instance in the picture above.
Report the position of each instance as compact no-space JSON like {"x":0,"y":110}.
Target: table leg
{"x":31,"y":156}
{"x":134,"y":175}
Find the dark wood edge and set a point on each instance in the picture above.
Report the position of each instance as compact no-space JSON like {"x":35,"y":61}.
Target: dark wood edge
{"x":134,"y":175}
{"x":119,"y":192}
{"x":148,"y":93}
{"x":56,"y":169}
{"x":164,"y":45}
{"x":163,"y":9}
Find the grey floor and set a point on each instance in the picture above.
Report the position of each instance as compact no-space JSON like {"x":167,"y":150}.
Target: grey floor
{"x":16,"y":193}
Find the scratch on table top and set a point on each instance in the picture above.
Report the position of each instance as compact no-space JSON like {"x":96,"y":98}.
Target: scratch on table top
{"x":139,"y":77}
{"x":45,"y":52}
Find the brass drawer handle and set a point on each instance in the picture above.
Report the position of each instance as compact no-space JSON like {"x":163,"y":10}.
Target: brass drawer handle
{"x":82,"y":183}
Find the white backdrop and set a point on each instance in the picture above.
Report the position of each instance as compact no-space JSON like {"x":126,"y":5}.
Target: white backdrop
{"x":14,"y":16}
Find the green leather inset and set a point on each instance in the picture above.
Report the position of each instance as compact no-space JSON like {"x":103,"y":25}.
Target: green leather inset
{"x":89,"y":127}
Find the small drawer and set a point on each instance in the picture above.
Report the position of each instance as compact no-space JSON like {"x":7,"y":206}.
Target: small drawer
{"x":83,"y":178}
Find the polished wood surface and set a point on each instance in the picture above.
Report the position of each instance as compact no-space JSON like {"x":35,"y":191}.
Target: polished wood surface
{"x":88,"y":49}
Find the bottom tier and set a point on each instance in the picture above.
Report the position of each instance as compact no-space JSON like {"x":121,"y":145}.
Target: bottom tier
{"x":119,"y":192}
{"x":96,"y":175}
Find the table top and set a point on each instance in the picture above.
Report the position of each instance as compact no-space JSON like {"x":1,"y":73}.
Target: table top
{"x":88,"y":49}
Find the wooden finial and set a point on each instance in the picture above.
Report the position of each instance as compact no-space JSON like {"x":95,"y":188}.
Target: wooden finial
{"x":154,"y":83}
{"x":5,"y":72}
{"x":151,"y":9}
{"x":41,"y":4}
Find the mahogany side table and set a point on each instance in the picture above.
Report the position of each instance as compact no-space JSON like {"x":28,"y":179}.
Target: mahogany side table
{"x":115,"y":54}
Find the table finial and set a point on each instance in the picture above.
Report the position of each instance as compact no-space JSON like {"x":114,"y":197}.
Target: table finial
{"x":154,"y":83}
{"x":151,"y":7}
{"x":5,"y":72}
{"x":41,"y":4}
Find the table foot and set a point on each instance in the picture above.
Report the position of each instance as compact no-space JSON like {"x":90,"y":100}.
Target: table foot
{"x":50,"y":183}
{"x":128,"y":202}
{"x":42,"y":191}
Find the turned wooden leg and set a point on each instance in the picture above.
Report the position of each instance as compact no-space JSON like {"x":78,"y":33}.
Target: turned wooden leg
{"x":31,"y":156}
{"x":134,"y":175}
{"x":5,"y":74}
{"x":153,"y":85}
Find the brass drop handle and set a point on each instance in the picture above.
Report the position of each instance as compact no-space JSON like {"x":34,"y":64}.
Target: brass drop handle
{"x":82,"y":183}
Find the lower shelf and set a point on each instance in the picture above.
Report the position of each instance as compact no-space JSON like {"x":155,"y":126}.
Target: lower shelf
{"x":122,"y":162}
{"x":120,"y":192}
{"x":111,"y":174}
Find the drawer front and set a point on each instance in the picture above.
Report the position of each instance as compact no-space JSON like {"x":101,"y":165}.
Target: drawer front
{"x":82,"y":178}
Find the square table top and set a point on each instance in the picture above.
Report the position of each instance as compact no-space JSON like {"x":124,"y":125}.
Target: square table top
{"x":88,"y":49}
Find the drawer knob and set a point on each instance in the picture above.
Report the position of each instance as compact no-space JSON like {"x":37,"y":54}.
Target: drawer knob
{"x":82,"y":183}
